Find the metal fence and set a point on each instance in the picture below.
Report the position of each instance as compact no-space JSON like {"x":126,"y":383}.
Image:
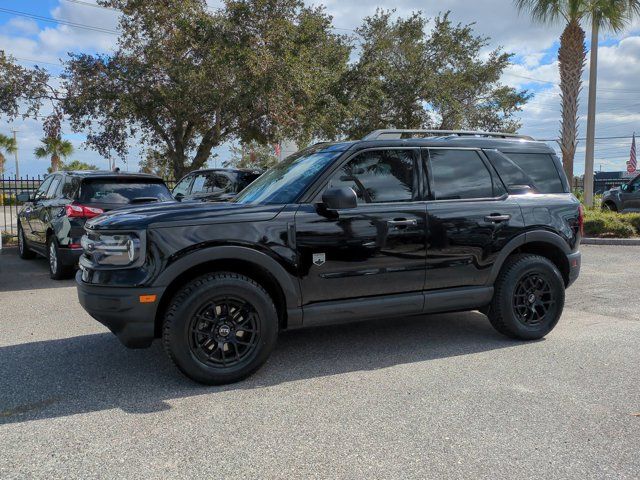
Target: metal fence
{"x":9,"y":189}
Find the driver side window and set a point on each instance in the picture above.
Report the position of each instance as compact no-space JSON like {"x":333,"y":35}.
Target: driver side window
{"x":380,"y":176}
{"x":41,"y":193}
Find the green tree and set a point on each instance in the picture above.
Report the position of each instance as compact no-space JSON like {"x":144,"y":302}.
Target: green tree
{"x":609,"y":14}
{"x":7,"y":146}
{"x":184,"y":80}
{"x":54,"y":148}
{"x":406,"y":78}
{"x":156,"y":163}
{"x":252,"y":155}
{"x":22,"y":87}
{"x":74,"y":165}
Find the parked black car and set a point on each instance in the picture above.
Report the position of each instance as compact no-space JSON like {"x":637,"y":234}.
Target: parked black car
{"x":384,"y":227}
{"x":625,"y":198}
{"x":51,"y":222}
{"x":213,"y":185}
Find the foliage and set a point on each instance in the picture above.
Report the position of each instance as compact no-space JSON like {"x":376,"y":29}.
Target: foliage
{"x":55,"y":148}
{"x":405,"y":78}
{"x":185,"y":80}
{"x":7,"y":146}
{"x":156,"y":163}
{"x":611,"y":224}
{"x":252,"y":155}
{"x":22,"y":86}
{"x":74,"y":165}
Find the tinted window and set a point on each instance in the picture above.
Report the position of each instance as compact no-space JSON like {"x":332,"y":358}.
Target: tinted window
{"x":42,"y":189}
{"x":53,"y":188}
{"x":245,"y":179}
{"x":540,"y":167}
{"x":459,"y":174}
{"x":379,"y":176}
{"x":122,"y":191}
{"x":510,"y":173}
{"x":286,"y":181}
{"x":70,"y":187}
{"x":211,"y":183}
{"x":182,"y":188}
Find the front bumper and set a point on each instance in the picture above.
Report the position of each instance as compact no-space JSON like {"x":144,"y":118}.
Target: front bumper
{"x":120,"y":310}
{"x":575,"y":260}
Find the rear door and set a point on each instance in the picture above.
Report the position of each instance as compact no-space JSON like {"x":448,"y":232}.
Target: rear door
{"x":470,"y":218}
{"x":377,"y":248}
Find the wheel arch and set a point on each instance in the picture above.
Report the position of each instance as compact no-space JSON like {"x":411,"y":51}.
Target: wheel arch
{"x":543,"y":243}
{"x":281,"y":285}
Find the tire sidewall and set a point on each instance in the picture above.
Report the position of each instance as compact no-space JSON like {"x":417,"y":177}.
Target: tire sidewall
{"x":552,"y":275}
{"x":179,"y":333}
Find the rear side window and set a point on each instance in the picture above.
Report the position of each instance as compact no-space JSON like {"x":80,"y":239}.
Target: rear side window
{"x":53,"y":188}
{"x":122,"y":191}
{"x":460,"y":174}
{"x":70,"y":187}
{"x":379,"y":176}
{"x":541,"y":168}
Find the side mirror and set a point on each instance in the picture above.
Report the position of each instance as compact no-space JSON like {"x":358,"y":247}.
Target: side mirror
{"x":179,"y":196}
{"x":23,"y":197}
{"x":339,"y":198}
{"x":624,"y":187}
{"x":520,"y":189}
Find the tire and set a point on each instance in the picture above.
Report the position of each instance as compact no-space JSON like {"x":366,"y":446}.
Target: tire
{"x":528,"y":297}
{"x":207,"y":318}
{"x":23,"y":247}
{"x":57,"y":270}
{"x":609,"y":207}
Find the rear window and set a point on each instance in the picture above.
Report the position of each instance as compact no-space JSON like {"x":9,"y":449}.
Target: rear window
{"x":123,"y":191}
{"x":541,"y":168}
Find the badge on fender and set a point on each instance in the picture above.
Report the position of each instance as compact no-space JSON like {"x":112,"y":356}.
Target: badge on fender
{"x":318,"y":259}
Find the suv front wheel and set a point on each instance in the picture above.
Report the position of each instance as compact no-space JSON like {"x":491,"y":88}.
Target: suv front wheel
{"x":528,"y":298}
{"x":220,"y":328}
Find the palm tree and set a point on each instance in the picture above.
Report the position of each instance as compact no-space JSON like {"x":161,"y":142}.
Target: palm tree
{"x":7,"y":145}
{"x":610,"y":14}
{"x":55,"y":148}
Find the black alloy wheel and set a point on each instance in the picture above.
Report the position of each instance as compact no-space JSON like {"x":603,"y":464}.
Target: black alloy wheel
{"x":533,"y":299}
{"x":224,"y":331}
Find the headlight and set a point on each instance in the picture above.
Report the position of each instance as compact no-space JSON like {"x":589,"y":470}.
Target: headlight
{"x":112,"y":249}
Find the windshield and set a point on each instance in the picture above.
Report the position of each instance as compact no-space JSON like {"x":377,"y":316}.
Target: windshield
{"x":286,"y":181}
{"x":123,"y":191}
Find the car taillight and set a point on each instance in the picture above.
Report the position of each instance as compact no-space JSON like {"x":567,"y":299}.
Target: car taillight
{"x":581,"y":219}
{"x":82,"y":211}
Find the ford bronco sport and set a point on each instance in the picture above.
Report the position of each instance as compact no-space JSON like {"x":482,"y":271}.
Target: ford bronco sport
{"x":398,"y":223}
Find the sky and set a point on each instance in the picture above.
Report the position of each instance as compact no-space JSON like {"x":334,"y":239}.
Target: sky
{"x":44,"y":31}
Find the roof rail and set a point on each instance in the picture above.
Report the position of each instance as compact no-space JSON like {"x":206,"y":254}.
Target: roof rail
{"x":389,"y":134}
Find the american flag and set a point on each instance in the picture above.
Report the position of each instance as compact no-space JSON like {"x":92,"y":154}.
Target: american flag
{"x":633,"y":162}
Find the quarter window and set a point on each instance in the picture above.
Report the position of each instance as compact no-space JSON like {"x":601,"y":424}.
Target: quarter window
{"x":541,"y":168}
{"x":459,"y":174}
{"x":380,"y":176}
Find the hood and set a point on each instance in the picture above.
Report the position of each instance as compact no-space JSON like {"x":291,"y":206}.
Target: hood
{"x":177,"y":214}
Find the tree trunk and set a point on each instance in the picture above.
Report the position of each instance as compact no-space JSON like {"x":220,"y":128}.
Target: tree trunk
{"x":571,"y":58}
{"x":591,"y":115}
{"x":55,"y":163}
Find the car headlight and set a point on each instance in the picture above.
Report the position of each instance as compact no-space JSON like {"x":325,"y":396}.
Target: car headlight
{"x":112,"y":249}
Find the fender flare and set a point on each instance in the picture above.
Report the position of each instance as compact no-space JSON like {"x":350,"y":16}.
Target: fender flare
{"x":541,"y":236}
{"x":289,"y":284}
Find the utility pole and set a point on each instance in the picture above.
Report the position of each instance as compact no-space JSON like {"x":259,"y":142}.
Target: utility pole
{"x":591,"y":113}
{"x":16,"y":152}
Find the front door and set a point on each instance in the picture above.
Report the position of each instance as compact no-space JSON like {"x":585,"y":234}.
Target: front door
{"x":470,"y":218}
{"x":31,"y":212}
{"x":377,"y":248}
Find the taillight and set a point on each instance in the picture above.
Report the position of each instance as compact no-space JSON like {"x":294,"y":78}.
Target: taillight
{"x":82,"y":211}
{"x":581,"y":219}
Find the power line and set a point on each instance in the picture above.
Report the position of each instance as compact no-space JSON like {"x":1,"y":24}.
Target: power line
{"x":602,"y":89}
{"x":583,"y":138}
{"x":94,"y":5}
{"x":61,"y":22}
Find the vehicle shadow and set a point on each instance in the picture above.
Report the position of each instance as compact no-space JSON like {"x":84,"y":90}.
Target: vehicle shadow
{"x":17,"y":274}
{"x":94,"y":372}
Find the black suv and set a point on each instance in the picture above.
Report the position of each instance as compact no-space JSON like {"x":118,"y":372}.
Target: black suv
{"x":213,"y":185}
{"x":52,"y":220}
{"x":383,"y":227}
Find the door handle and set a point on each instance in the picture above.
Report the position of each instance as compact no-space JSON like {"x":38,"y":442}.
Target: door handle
{"x":496,"y":218}
{"x":402,"y":222}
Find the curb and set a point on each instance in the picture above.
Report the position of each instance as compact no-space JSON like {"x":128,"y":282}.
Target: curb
{"x":610,"y":241}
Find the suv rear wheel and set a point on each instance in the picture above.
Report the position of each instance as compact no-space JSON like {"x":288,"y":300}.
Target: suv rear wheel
{"x":528,"y":298}
{"x":220,"y":328}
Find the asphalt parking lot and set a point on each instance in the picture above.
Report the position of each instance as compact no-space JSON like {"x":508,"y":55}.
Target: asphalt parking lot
{"x":442,"y":396}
